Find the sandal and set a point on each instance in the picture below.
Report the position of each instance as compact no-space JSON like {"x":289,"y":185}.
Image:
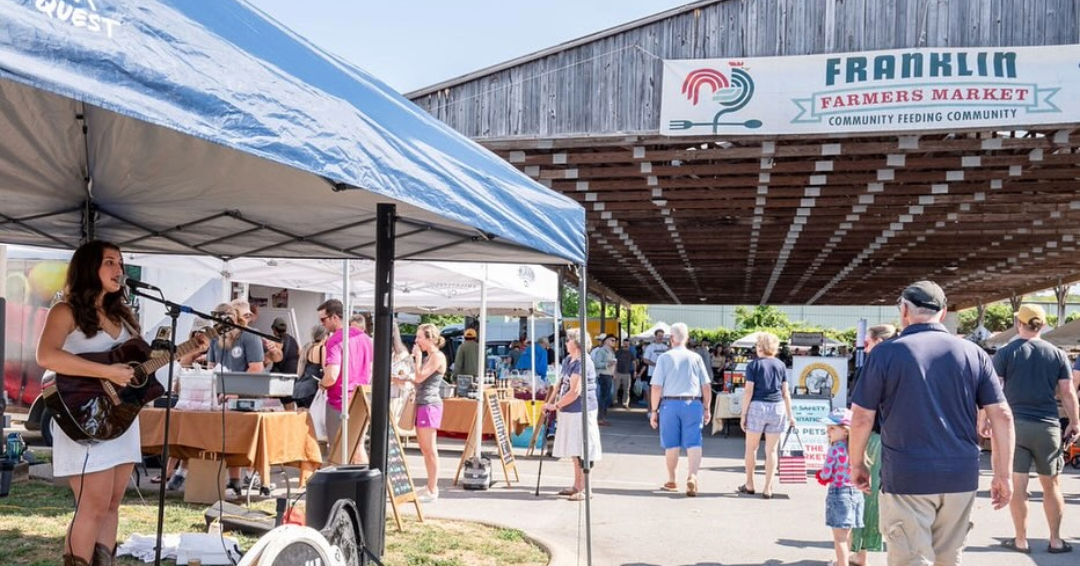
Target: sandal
{"x":1010,"y":544}
{"x":155,"y":479}
{"x":568,"y":491}
{"x":579,"y":496}
{"x":670,"y":486}
{"x":744,"y":491}
{"x":1065,"y":547}
{"x":691,"y":487}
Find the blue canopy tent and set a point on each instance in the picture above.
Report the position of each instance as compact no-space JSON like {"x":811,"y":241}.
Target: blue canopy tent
{"x":205,"y":127}
{"x":169,"y":126}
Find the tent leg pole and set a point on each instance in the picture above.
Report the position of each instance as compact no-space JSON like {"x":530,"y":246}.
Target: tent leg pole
{"x":583,"y":348}
{"x":384,"y":332}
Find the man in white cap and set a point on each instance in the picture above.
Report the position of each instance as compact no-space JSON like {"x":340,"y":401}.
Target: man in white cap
{"x":1034,"y":372}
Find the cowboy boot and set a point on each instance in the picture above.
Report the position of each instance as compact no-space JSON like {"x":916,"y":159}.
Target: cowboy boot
{"x":72,"y":560}
{"x":103,"y":556}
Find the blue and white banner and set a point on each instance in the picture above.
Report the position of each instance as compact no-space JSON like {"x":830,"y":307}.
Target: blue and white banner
{"x":878,"y":91}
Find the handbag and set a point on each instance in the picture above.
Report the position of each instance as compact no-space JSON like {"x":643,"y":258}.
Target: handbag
{"x":407,"y":420}
{"x":306,"y":386}
{"x":792,"y":460}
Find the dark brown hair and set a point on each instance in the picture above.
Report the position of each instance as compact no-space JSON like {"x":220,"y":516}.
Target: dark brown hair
{"x":333,"y":307}
{"x":83,"y":284}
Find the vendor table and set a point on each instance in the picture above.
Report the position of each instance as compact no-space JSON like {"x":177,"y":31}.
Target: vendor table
{"x":458,"y":415}
{"x":727,"y":408}
{"x":256,"y":440}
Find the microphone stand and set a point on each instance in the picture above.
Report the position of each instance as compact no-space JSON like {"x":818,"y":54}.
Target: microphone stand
{"x":174,"y":310}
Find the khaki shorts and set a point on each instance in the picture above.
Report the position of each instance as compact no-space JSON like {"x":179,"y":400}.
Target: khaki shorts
{"x":925,"y":530}
{"x":1038,"y":443}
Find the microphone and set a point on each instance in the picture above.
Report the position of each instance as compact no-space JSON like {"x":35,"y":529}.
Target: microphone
{"x":132,"y":283}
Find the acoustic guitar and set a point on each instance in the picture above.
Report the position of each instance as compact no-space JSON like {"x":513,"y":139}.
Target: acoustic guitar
{"x":90,"y":409}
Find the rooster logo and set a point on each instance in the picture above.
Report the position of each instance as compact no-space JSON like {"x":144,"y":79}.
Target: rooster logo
{"x":731,"y":94}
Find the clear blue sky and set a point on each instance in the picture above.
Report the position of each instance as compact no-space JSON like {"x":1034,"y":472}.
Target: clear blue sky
{"x":410,"y":44}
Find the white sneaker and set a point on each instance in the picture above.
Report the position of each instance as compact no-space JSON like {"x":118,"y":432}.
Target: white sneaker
{"x":425,"y":496}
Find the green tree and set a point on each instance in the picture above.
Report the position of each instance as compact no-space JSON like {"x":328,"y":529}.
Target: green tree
{"x":640,"y":313}
{"x":761,"y":317}
{"x":998,"y":317}
{"x":965,"y":321}
{"x":1072,"y":316}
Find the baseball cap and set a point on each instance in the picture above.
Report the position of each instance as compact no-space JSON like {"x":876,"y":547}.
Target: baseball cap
{"x":279,"y":323}
{"x":470,"y":333}
{"x":1028,"y":312}
{"x":838,"y":417}
{"x":925,"y":294}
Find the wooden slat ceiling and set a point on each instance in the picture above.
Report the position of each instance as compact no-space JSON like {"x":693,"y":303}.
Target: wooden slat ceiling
{"x":835,"y":221}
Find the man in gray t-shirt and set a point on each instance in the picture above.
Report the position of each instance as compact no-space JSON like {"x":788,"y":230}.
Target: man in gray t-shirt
{"x":1033,"y":373}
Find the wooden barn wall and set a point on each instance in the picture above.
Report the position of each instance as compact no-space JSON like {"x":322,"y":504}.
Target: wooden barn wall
{"x":611,"y":85}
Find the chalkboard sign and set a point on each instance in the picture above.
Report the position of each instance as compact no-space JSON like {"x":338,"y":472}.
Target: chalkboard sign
{"x":399,"y":484}
{"x":493,"y":413}
{"x":502,"y":436}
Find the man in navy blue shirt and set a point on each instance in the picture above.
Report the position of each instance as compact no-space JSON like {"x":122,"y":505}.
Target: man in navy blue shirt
{"x":926,"y":388}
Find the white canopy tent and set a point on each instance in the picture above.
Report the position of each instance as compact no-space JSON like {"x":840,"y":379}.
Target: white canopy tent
{"x":748,"y":341}
{"x":1001,"y":338}
{"x":1065,"y":336}
{"x":425,"y":287}
{"x":648,"y":334}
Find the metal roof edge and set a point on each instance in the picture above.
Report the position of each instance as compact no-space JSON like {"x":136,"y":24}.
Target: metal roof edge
{"x":468,"y":77}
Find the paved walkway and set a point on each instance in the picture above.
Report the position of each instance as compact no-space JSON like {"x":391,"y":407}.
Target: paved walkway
{"x":634,"y":524}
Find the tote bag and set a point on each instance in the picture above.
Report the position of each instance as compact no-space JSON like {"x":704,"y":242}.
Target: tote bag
{"x":318,"y":415}
{"x":792,"y":459}
{"x":407,"y":420}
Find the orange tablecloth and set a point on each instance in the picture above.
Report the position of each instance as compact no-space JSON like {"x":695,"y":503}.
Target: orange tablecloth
{"x":256,"y":440}
{"x":458,"y":415}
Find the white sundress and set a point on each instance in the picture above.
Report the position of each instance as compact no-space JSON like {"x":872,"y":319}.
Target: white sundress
{"x":70,"y":456}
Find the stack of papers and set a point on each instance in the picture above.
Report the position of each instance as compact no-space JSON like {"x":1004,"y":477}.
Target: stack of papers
{"x":183,"y":548}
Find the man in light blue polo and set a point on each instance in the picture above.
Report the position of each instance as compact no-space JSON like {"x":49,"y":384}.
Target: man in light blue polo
{"x":681,"y":397}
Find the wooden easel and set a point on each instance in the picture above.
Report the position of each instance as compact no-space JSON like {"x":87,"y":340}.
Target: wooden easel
{"x":492,"y":414}
{"x":359,"y":420}
{"x":541,"y":425}
{"x":399,"y":483}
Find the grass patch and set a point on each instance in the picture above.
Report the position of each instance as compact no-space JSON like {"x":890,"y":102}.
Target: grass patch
{"x":34,"y":517}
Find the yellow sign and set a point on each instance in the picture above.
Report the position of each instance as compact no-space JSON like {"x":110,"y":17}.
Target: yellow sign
{"x":818,"y":378}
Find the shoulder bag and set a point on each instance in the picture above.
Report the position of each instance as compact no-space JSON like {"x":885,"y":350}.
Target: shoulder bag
{"x":792,"y":460}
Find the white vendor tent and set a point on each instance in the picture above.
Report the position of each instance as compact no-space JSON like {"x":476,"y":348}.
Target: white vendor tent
{"x":648,"y":334}
{"x":748,"y":341}
{"x":419,"y":286}
{"x":1065,"y":336}
{"x":1001,"y":338}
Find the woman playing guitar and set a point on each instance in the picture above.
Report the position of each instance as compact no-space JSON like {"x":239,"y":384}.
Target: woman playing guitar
{"x":92,"y":317}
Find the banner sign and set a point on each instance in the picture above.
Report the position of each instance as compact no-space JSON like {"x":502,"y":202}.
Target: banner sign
{"x":867,"y":92}
{"x":821,"y":376}
{"x":807,"y":339}
{"x":808,"y":413}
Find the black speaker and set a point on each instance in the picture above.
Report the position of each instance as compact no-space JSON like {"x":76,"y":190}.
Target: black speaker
{"x":360,"y":484}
